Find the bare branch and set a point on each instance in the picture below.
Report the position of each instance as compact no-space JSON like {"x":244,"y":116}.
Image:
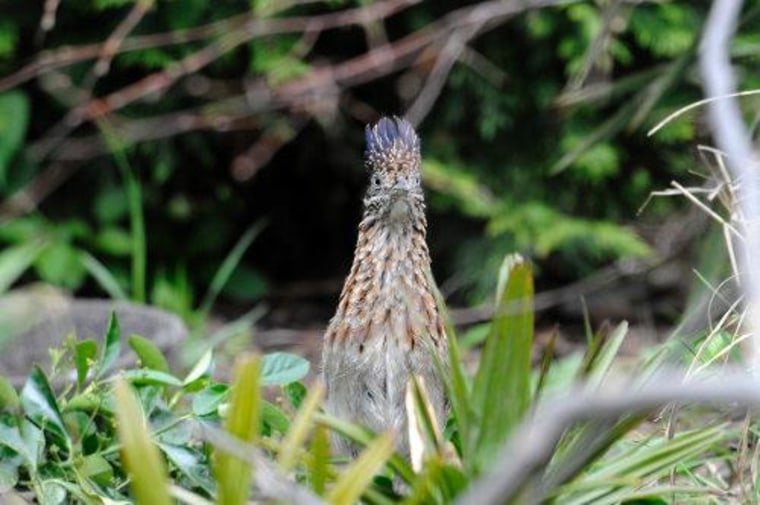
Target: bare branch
{"x":247,"y":23}
{"x":532,"y":446}
{"x":731,"y":135}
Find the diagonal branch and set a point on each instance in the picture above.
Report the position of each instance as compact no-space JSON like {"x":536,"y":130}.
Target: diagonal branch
{"x":532,"y":446}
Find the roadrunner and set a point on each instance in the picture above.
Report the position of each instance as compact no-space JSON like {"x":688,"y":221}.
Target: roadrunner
{"x":387,"y":326}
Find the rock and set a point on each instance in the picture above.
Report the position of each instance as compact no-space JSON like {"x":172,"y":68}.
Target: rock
{"x":38,"y":318}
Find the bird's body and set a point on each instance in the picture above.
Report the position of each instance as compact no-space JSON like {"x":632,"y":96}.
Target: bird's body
{"x":387,"y":326}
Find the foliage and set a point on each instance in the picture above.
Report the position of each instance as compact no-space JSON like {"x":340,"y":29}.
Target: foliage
{"x":63,"y":440}
{"x":546,"y":153}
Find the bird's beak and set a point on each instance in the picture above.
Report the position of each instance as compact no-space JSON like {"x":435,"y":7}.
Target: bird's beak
{"x":402,"y":184}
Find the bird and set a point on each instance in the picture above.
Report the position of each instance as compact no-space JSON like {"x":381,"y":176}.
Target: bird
{"x":387,"y":326}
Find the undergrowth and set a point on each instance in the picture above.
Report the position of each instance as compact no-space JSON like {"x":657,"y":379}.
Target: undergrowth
{"x":85,"y":432}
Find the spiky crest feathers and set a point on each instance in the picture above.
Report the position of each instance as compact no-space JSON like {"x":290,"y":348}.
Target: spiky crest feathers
{"x":389,"y":139}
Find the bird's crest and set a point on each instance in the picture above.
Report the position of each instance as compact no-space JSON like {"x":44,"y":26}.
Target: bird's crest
{"x":391,"y":138}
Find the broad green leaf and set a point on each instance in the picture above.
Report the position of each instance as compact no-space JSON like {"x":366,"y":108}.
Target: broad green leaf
{"x":148,"y":477}
{"x":273,"y":418}
{"x":295,"y":392}
{"x":50,"y":492}
{"x":149,"y":354}
{"x":14,"y":118}
{"x":25,"y":439}
{"x":15,"y":260}
{"x":40,"y":405}
{"x":97,"y":468}
{"x":283,"y":368}
{"x":191,"y":463}
{"x":8,"y":475}
{"x":208,"y":400}
{"x":85,"y":356}
{"x":232,"y":473}
{"x":502,"y":387}
{"x":111,"y":346}
{"x":358,"y":475}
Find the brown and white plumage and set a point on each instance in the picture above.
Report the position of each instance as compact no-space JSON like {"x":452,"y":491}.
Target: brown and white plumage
{"x":387,"y":326}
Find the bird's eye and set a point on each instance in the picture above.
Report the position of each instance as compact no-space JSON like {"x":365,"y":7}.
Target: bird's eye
{"x":375,"y":180}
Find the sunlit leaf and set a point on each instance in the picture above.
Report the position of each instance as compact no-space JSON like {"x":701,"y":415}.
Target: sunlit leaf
{"x":141,"y":458}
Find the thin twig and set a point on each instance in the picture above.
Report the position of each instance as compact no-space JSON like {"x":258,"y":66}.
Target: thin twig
{"x":255,"y":27}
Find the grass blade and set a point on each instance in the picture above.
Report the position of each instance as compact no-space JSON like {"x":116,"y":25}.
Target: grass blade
{"x":299,"y":429}
{"x":102,"y":276}
{"x":228,"y":266}
{"x":359,"y":474}
{"x":141,"y":457}
{"x":234,"y":474}
{"x":502,"y":387}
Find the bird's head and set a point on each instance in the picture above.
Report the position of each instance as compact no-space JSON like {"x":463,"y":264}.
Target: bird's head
{"x":393,"y":159}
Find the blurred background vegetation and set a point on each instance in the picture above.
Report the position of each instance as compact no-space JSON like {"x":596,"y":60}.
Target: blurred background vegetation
{"x":143,"y":142}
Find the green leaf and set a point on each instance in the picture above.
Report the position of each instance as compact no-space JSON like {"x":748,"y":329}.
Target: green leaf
{"x":191,"y":463}
{"x":8,"y":475}
{"x":245,"y":285}
{"x":97,"y":468}
{"x":114,"y":241}
{"x":60,"y":264}
{"x":40,"y":405}
{"x":141,"y":458}
{"x":24,"y":439}
{"x":273,"y":418}
{"x":621,"y":475}
{"x":103,"y":276}
{"x":232,"y":473}
{"x":51,"y":492}
{"x":468,"y":194}
{"x":14,"y":119}
{"x":111,"y":345}
{"x":502,"y":388}
{"x":85,"y":356}
{"x":201,"y":368}
{"x":15,"y":260}
{"x":283,"y":368}
{"x":604,"y":359}
{"x":9,"y":400}
{"x":296,"y":392}
{"x":149,"y":354}
{"x":208,"y":400}
{"x":154,"y":377}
